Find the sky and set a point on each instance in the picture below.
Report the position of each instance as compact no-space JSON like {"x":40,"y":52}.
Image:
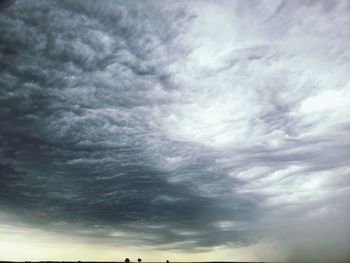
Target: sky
{"x":181,"y":130}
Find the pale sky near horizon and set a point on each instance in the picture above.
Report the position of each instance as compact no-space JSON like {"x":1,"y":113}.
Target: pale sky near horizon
{"x":181,"y":130}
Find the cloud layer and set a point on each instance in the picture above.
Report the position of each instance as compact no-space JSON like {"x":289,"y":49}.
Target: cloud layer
{"x":183,"y":125}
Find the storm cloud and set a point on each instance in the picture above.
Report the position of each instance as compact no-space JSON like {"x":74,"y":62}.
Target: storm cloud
{"x":184,"y":125}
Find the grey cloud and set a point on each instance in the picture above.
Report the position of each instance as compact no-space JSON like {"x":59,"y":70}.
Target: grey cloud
{"x":6,"y":3}
{"x":79,"y":144}
{"x":94,"y":118}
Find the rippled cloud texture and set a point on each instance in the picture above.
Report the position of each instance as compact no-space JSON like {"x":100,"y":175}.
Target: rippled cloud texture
{"x":178,"y":125}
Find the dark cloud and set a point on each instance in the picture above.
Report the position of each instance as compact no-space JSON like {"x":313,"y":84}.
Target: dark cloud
{"x":6,"y":3}
{"x":78,"y":136}
{"x":143,"y":121}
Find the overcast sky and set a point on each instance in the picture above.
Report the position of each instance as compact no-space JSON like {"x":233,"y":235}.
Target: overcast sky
{"x":187,"y":130}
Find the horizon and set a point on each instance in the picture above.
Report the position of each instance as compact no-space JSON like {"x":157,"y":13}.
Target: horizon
{"x":194,"y":131}
{"x":143,"y":261}
{"x":123,"y":261}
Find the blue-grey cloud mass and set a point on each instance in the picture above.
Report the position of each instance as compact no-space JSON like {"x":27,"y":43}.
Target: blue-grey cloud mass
{"x":178,"y":124}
